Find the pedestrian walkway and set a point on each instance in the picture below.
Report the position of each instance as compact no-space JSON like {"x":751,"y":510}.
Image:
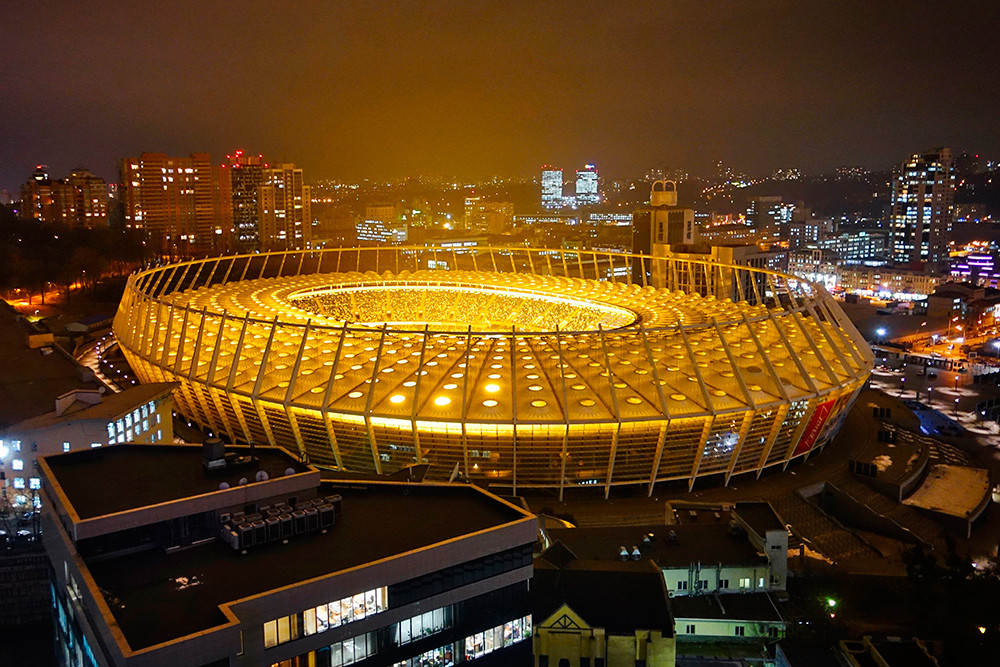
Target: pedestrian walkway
{"x":923,"y":529}
{"x":821,"y":531}
{"x":645,"y":514}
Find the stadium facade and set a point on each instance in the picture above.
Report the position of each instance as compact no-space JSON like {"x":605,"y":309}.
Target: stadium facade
{"x":513,"y":366}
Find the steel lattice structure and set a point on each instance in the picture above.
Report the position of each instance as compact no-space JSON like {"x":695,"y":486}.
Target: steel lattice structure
{"x":523,"y":367}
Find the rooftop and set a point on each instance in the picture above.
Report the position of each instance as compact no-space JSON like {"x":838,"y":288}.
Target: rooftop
{"x":156,"y":596}
{"x":799,"y":653}
{"x":953,"y":490}
{"x":106,"y":480}
{"x":111,"y":406}
{"x":619,"y":597}
{"x":759,"y":516}
{"x":31,"y":379}
{"x":708,"y":543}
{"x":739,"y":607}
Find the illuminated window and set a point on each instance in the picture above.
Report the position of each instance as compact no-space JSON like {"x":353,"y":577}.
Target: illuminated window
{"x":17,"y":464}
{"x":18,"y":482}
{"x":65,"y":446}
{"x":35,"y":483}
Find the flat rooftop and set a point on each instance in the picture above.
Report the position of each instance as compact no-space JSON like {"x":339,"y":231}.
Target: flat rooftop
{"x":156,"y":596}
{"x":30,"y":380}
{"x":112,"y":406}
{"x":106,"y":480}
{"x":709,"y":543}
{"x":953,"y":490}
{"x":759,"y":516}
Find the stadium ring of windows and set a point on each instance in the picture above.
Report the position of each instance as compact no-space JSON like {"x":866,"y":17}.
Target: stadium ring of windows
{"x":516,"y":367}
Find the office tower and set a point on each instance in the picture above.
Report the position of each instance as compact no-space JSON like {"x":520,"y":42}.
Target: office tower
{"x":552,"y":182}
{"x":284,"y":209}
{"x":176,"y":201}
{"x":81,"y":200}
{"x":586,"y":186}
{"x":240,"y":556}
{"x":245,"y":178}
{"x":923,"y":195}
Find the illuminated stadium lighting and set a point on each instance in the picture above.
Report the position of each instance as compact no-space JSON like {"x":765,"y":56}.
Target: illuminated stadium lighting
{"x":613,"y":367}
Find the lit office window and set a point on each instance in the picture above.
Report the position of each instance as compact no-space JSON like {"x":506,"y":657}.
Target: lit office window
{"x":422,"y":625}
{"x":17,"y":464}
{"x":35,"y":483}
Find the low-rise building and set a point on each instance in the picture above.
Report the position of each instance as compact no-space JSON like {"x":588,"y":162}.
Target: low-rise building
{"x":592,"y":612}
{"x":84,"y":419}
{"x":888,"y":282}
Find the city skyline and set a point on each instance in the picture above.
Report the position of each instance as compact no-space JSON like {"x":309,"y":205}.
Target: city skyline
{"x":361,"y":91}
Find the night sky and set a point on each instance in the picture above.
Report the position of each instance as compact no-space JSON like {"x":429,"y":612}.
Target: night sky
{"x":474,"y":89}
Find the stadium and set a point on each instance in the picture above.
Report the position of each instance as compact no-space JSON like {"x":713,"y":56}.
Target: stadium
{"x":515,"y":367}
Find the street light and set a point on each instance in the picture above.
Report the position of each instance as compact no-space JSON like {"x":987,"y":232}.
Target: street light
{"x":956,"y":407}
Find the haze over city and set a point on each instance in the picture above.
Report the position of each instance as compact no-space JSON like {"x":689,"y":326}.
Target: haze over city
{"x":418,"y":334}
{"x":354,"y":90}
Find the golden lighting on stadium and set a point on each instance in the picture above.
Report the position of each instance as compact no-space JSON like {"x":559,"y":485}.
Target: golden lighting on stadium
{"x":560,"y":368}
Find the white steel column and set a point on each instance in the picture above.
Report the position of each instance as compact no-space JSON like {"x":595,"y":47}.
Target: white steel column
{"x":368,"y":404}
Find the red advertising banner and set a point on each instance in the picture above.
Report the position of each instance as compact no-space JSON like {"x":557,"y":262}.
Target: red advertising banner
{"x":814,"y":428}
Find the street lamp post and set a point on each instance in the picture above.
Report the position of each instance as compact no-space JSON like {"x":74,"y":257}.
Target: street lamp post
{"x":956,"y":407}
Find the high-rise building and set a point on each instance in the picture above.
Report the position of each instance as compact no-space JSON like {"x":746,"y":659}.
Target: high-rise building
{"x":81,"y":200}
{"x":552,"y":182}
{"x":245,"y":179}
{"x":487,"y":217}
{"x":176,"y":200}
{"x":586,"y":189}
{"x":923,"y":195}
{"x":284,"y":209}
{"x":771,"y":217}
{"x":586,"y":186}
